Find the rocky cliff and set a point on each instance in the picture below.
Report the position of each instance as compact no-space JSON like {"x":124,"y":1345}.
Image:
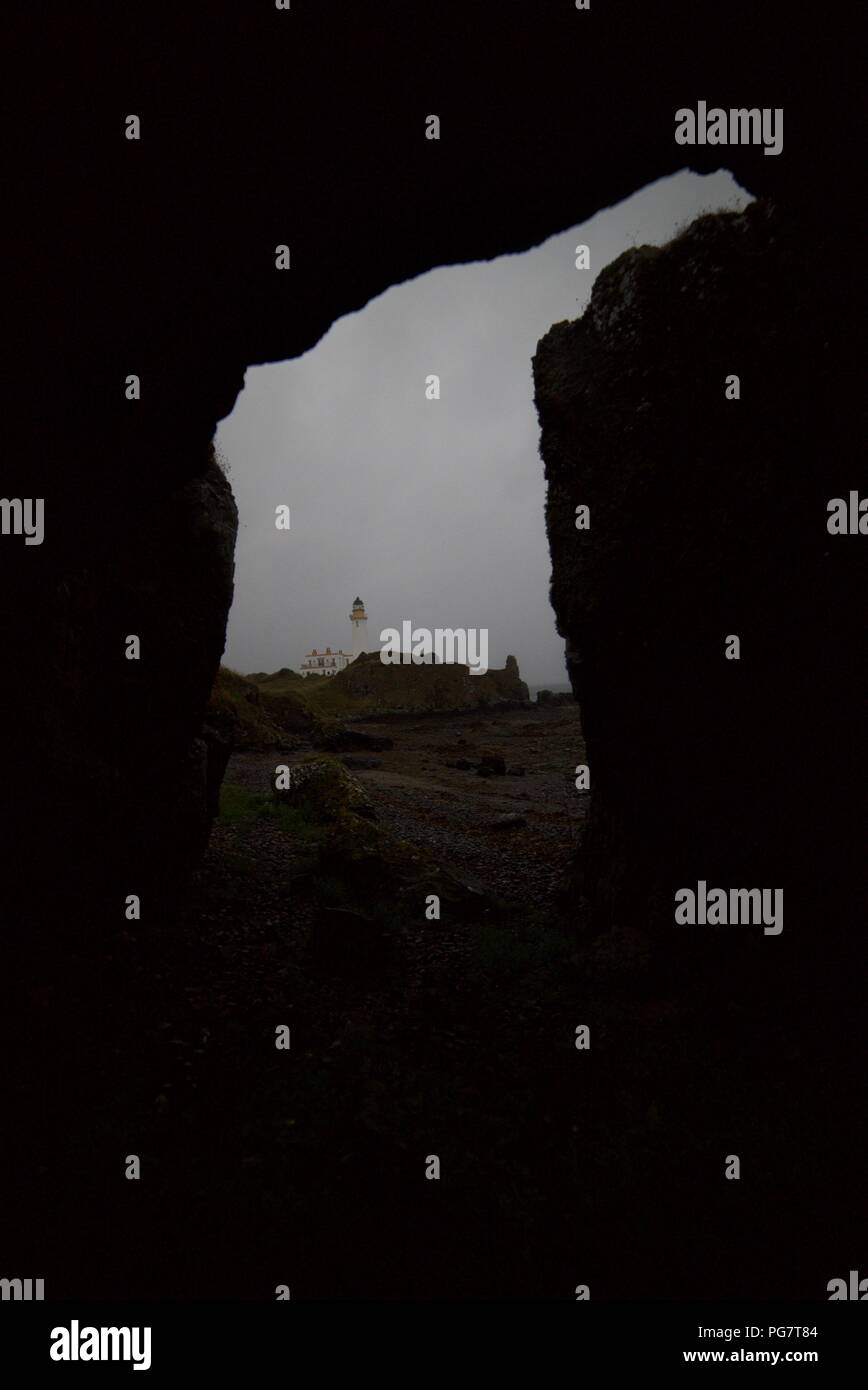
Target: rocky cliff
{"x":121,"y":753}
{"x":707,"y":519}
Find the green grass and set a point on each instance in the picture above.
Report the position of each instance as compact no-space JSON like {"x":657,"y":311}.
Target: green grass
{"x":239,"y":807}
{"x":242,"y":809}
{"x":293,"y":820}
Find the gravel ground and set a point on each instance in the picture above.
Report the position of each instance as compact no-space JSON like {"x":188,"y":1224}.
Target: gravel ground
{"x":452,"y":813}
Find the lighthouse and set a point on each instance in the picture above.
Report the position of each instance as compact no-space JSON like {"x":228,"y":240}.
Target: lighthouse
{"x":358,"y":618}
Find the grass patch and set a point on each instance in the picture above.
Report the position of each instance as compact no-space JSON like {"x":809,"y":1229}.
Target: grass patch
{"x":241,"y":809}
{"x":246,"y":716}
{"x":293,"y":820}
{"x":238,"y":807}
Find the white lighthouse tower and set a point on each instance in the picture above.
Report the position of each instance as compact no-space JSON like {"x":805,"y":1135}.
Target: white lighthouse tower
{"x":358,"y":618}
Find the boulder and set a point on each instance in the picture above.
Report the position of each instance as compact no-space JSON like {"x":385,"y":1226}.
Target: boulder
{"x":326,"y":790}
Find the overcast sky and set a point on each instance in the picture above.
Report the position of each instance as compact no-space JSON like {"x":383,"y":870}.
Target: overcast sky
{"x":431,"y":511}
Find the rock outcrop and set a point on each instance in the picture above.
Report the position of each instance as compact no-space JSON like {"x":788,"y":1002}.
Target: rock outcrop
{"x":369,"y":687}
{"x":245,"y":716}
{"x":708,"y":519}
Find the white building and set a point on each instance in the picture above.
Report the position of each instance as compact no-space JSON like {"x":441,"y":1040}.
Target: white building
{"x":328,"y":663}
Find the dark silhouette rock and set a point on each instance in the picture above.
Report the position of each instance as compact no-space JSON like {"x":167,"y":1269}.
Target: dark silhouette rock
{"x":552,"y":698}
{"x":218,"y":753}
{"x":708,"y":518}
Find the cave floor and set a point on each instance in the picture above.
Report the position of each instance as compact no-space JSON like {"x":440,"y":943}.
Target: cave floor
{"x":452,"y":1038}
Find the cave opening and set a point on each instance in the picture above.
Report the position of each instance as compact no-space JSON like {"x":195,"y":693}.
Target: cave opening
{"x":398,"y":459}
{"x":409,"y":426}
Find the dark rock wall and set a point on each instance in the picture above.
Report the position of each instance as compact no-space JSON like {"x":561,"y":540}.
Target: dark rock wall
{"x":708,"y":518}
{"x":106,"y":776}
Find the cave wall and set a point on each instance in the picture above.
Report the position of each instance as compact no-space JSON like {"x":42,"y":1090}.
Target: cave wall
{"x":708,"y":518}
{"x":106,"y":777}
{"x":156,"y":257}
